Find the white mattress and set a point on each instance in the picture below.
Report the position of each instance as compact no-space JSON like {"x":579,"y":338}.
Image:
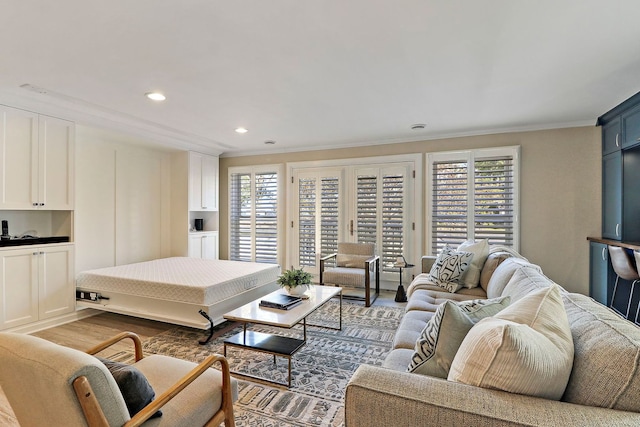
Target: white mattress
{"x":190,"y":280}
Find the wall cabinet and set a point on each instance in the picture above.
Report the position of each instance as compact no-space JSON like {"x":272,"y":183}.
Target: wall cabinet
{"x":599,"y":272}
{"x":631,"y":127}
{"x":203,"y":245}
{"x":612,"y":195}
{"x":37,"y":283}
{"x":611,"y":137}
{"x":37,"y":156}
{"x":203,"y":182}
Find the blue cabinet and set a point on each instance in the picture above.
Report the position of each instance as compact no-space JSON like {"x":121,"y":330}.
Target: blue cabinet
{"x":599,"y":272}
{"x":630,"y":121}
{"x":611,"y":137}
{"x":612,"y":196}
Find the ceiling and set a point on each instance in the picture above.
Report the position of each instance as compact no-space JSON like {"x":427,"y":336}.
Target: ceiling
{"x":311,"y":74}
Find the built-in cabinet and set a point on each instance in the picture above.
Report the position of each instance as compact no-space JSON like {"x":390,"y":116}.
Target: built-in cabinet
{"x":194,"y":195}
{"x":203,"y":244}
{"x":620,"y":194}
{"x":37,"y":283}
{"x":37,"y":157}
{"x":37,"y":185}
{"x":203,"y":182}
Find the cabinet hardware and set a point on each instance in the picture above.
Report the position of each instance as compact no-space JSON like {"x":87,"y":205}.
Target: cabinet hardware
{"x":617,"y":140}
{"x":34,"y":253}
{"x":604,"y":250}
{"x":41,"y":253}
{"x":41,"y":204}
{"x":351,"y":227}
{"x":617,"y":230}
{"x":34,"y":204}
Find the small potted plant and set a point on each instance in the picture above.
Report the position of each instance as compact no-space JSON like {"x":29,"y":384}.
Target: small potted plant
{"x":295,"y":281}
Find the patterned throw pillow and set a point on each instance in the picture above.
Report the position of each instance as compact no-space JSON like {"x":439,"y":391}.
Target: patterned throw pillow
{"x":449,"y":268}
{"x":434,"y":351}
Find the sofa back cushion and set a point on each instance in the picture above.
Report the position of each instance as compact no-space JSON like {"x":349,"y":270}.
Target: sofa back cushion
{"x":503,"y":273}
{"x":606,"y":356}
{"x":492,"y":262}
{"x":526,"y":279}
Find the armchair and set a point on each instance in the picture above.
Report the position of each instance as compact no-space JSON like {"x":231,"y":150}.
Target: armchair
{"x":49,"y":384}
{"x":356,"y":263}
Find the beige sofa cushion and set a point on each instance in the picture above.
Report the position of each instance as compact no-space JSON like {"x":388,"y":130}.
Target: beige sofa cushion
{"x":490,"y":265}
{"x":480,"y":251}
{"x":527,"y":348}
{"x":440,"y":339}
{"x":503,"y":274}
{"x":606,"y":370}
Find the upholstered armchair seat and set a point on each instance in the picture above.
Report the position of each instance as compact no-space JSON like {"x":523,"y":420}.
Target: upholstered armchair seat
{"x":357,"y":266}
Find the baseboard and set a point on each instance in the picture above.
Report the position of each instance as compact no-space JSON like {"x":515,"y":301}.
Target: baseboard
{"x":30,"y":328}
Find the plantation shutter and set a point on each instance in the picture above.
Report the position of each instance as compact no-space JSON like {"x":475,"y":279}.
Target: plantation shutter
{"x":380,"y":212}
{"x":253,"y":217}
{"x":449,"y":204}
{"x":473,"y":198}
{"x":307,"y":222}
{"x":266,"y":218}
{"x":240,"y":233}
{"x":329,"y":211}
{"x":494,"y":210}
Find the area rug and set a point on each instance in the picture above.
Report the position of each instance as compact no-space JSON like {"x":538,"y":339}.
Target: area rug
{"x":320,"y":370}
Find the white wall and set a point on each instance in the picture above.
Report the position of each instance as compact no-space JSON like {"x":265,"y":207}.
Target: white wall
{"x":122,"y":201}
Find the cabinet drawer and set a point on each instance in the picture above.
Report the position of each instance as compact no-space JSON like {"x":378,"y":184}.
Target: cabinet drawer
{"x":611,"y":137}
{"x":631,"y":128}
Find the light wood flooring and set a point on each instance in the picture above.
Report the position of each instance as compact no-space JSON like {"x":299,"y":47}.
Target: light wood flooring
{"x":86,"y":333}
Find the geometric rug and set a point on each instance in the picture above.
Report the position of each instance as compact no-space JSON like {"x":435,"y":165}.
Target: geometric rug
{"x":320,"y":369}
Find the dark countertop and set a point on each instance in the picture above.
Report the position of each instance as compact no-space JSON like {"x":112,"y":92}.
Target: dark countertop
{"x":34,"y":241}
{"x":628,"y":245}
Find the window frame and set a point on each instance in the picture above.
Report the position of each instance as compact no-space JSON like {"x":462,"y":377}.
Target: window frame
{"x":470,"y":156}
{"x":278,"y":169}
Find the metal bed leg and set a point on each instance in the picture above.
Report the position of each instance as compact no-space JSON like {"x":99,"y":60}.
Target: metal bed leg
{"x":207,"y":339}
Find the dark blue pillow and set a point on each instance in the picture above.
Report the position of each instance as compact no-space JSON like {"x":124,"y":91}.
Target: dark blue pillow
{"x":134,"y":386}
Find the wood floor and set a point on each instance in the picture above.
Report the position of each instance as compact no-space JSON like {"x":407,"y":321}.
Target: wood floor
{"x":86,"y":333}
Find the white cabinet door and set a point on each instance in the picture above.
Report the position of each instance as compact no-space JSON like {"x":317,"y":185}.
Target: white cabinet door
{"x":19,"y":285}
{"x":203,"y":182}
{"x":37,"y":157}
{"x":56,"y":164}
{"x":56,"y":280}
{"x":18,"y":158}
{"x":210,"y":245}
{"x":204,"y":245}
{"x":195,"y":246}
{"x":210,"y":182}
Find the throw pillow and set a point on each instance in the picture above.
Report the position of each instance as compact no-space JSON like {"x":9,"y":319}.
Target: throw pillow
{"x":449,"y":267}
{"x":480,"y":251}
{"x":134,"y":386}
{"x":439,"y":341}
{"x":527,"y":348}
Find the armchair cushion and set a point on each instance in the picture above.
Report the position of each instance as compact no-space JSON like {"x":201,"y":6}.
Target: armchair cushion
{"x":345,"y":276}
{"x":135,"y":389}
{"x":351,"y":261}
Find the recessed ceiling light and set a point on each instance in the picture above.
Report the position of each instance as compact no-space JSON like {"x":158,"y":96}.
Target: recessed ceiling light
{"x":241,"y":130}
{"x":418,"y":126}
{"x":156,"y":96}
{"x":269,"y":142}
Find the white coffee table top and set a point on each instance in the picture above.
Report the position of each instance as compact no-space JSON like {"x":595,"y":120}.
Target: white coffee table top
{"x":253,"y":313}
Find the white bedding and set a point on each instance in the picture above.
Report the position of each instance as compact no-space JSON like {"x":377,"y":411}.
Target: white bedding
{"x":180,"y":279}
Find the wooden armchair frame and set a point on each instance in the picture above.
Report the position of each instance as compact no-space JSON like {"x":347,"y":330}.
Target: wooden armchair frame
{"x":93,"y":411}
{"x":371,"y":265}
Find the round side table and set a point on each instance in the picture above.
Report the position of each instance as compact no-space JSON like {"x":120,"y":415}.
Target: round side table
{"x":401,"y":295}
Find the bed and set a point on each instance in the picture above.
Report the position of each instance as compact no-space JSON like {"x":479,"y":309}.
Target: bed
{"x":191,"y":292}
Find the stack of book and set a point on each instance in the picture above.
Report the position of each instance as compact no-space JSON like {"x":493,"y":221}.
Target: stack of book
{"x":280,"y":301}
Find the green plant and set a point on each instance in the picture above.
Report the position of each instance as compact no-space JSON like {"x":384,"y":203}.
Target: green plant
{"x":294,"y":278}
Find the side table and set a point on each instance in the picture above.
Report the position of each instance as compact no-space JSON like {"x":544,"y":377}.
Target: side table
{"x":401,"y":295}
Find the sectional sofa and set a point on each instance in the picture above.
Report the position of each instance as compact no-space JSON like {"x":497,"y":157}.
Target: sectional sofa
{"x":603,"y":386}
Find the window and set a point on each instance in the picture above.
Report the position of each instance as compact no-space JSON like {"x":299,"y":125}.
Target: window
{"x":367,"y":203}
{"x":254,"y":215}
{"x":473,"y":195}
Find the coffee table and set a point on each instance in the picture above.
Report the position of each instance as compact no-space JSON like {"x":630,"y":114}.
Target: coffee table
{"x":276,"y":344}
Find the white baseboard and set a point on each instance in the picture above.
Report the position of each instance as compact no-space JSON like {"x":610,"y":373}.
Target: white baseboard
{"x":30,"y":328}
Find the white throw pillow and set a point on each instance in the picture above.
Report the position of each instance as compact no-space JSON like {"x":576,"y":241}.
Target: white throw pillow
{"x":480,"y":251}
{"x":449,"y":268}
{"x":434,"y":351}
{"x":527,"y":348}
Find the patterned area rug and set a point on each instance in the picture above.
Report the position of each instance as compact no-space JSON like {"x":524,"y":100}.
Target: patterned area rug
{"x":320,"y":370}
